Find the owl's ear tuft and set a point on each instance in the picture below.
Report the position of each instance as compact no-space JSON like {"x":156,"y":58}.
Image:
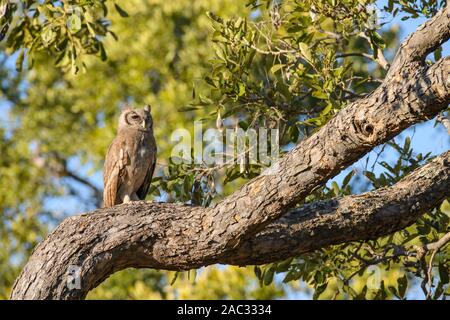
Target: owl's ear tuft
{"x":126,"y":107}
{"x":147,"y":108}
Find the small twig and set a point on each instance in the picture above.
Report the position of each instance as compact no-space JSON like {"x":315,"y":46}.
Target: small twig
{"x":380,"y":59}
{"x":379,"y":257}
{"x":377,"y":157}
{"x":434,"y":247}
{"x":353,"y":95}
{"x":366,"y":79}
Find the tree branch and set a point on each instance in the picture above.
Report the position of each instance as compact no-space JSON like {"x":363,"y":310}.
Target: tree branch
{"x":381,"y":60}
{"x":167,"y":235}
{"x":352,"y":133}
{"x":427,"y":38}
{"x":427,"y":268}
{"x":357,"y":217}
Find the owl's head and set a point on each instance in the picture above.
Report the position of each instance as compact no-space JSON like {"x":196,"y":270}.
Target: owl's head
{"x":139,"y":119}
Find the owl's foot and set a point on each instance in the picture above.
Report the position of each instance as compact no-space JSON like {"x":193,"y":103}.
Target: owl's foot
{"x":126,"y":199}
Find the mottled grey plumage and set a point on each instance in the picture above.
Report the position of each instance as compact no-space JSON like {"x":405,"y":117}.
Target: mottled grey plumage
{"x":131,"y":158}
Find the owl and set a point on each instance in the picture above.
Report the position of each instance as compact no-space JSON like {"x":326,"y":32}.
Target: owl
{"x":131,"y":158}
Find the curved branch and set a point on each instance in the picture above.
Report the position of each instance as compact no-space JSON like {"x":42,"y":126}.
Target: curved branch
{"x":357,"y":217}
{"x":427,"y":38}
{"x":353,"y":132}
{"x":165,"y":236}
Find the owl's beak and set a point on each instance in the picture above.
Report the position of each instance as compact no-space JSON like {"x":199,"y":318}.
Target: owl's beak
{"x":143,"y":124}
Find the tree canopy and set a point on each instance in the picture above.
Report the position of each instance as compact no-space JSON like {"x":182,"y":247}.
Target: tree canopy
{"x":302,"y":67}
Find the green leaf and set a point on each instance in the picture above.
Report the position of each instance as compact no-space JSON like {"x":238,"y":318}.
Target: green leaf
{"x":437,"y":54}
{"x":187,"y":187}
{"x":19,"y":61}
{"x":192,"y":274}
{"x":319,"y":290}
{"x":241,"y":89}
{"x":220,"y":54}
{"x":283,"y":266}
{"x":113,"y":35}
{"x":293,"y":133}
{"x":347,"y":178}
{"x":268,"y":276}
{"x":319,"y":94}
{"x":319,"y":278}
{"x":257,"y":271}
{"x":327,"y":109}
{"x":407,"y":144}
{"x":91,"y":30}
{"x":74,"y":23}
{"x":291,"y":276}
{"x":443,"y":273}
{"x":394,"y":291}
{"x":204,"y":100}
{"x":335,"y":188}
{"x":4,"y":31}
{"x":48,"y":36}
{"x":410,"y":10}
{"x":402,"y":285}
{"x":232,"y":175}
{"x":304,"y":50}
{"x":174,"y":278}
{"x":122,"y":12}
{"x":103,"y":55}
{"x":439,"y":291}
{"x":390,"y":5}
{"x":445,"y":207}
{"x":371,"y":176}
{"x":210,"y":81}
{"x":276,"y":67}
{"x":377,"y":40}
{"x":218,"y":37}
{"x":295,"y":28}
{"x":243,"y":124}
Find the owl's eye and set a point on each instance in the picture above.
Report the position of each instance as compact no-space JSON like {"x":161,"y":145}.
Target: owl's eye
{"x":135,"y":117}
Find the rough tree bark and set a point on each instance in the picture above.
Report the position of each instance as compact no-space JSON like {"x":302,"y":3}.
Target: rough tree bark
{"x":162,"y":235}
{"x":241,"y":229}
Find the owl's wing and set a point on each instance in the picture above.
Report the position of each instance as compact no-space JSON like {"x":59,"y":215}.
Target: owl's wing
{"x":143,"y":189}
{"x":114,"y":171}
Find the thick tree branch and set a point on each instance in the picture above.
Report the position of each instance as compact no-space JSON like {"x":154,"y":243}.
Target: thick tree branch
{"x":364,"y":124}
{"x":165,"y":235}
{"x":357,"y":217}
{"x":428,"y":37}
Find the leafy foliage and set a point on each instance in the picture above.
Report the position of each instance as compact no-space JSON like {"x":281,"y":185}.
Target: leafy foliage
{"x":219,"y":283}
{"x":65,"y":30}
{"x":413,"y":8}
{"x":289,"y":65}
